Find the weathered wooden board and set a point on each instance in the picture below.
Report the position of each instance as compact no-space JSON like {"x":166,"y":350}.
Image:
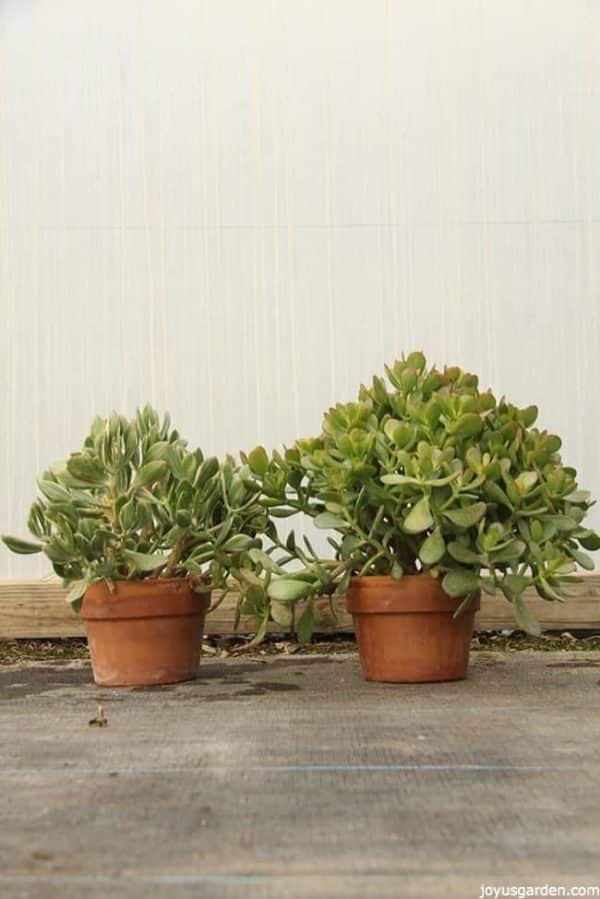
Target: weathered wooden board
{"x":37,"y":609}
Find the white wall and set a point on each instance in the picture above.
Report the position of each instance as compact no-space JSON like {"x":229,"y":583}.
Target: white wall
{"x":239,"y":209}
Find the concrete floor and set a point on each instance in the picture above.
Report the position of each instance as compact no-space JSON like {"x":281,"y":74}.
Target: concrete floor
{"x":292,"y":777}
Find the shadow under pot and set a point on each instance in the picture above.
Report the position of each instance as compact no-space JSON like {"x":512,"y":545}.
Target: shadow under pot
{"x":144,"y":632}
{"x":405,"y":629}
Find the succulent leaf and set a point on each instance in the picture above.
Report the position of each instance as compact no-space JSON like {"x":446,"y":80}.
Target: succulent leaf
{"x":419,"y":517}
{"x":22,"y":547}
{"x":466,"y":516}
{"x":460,"y":582}
{"x":288,"y":589}
{"x":433,"y":549}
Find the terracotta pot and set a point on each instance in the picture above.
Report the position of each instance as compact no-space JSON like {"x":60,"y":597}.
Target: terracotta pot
{"x":145,"y":632}
{"x":405,"y":629}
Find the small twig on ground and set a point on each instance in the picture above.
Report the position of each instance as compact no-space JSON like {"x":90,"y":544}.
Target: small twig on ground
{"x":99,"y":720}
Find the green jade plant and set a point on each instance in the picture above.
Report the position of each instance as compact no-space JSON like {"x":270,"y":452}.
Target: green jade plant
{"x":136,"y":503}
{"x":426,"y":474}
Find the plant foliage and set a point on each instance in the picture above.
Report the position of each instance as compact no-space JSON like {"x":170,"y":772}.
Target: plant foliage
{"x":426,"y":473}
{"x":135,"y":502}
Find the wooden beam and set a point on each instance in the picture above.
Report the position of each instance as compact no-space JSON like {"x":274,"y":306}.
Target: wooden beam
{"x":37,"y":609}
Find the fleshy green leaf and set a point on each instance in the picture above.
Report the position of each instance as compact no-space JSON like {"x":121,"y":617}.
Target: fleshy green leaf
{"x":149,"y":474}
{"x":536,"y":530}
{"x":552,"y":443}
{"x":158,"y":451}
{"x":591,"y":542}
{"x":330,"y":520}
{"x":459,"y":582}
{"x":393,"y":478}
{"x":509,"y":553}
{"x":516,"y":583}
{"x":397,"y":571}
{"x":561,"y":522}
{"x":206,"y":471}
{"x":497,"y":494}
{"x":463,"y":554}
{"x":432,"y":549}
{"x":262,"y":628}
{"x":282,"y":613}
{"x":579,"y":496}
{"x":526,"y":481}
{"x":174,"y":463}
{"x":473,"y":458}
{"x":467,"y":516}
{"x":467,"y":425}
{"x":54,"y":492}
{"x":399,"y":432}
{"x":582,"y":559}
{"x":441,"y":482}
{"x":416,"y":360}
{"x":350,"y":544}
{"x":258,"y":460}
{"x":238,"y":543}
{"x":524,"y":618}
{"x":528,"y":415}
{"x":306,"y":623}
{"x":419,"y":518}
{"x":264,"y":559}
{"x":547,"y":591}
{"x":488,"y":584}
{"x":145,"y":561}
{"x":128,"y":516}
{"x":23,"y":547}
{"x":288,"y":589}
{"x":86,"y":469}
{"x":76,"y":592}
{"x":464,"y":605}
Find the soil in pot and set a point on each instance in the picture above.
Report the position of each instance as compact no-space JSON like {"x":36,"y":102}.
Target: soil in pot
{"x":144,"y":632}
{"x":405,"y":629}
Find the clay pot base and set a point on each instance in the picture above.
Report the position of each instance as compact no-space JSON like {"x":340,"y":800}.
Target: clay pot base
{"x":405,"y":629}
{"x":145,"y":632}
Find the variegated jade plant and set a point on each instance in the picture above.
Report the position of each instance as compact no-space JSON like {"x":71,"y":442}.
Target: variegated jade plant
{"x":136,"y":503}
{"x":426,"y":473}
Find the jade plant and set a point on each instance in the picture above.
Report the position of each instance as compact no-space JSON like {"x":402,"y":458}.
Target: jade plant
{"x":135,"y":502}
{"x":425,"y":473}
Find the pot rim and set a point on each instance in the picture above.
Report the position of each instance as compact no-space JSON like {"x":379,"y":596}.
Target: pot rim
{"x":412,"y":594}
{"x":364,"y":580}
{"x":145,"y":598}
{"x":184,"y":579}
